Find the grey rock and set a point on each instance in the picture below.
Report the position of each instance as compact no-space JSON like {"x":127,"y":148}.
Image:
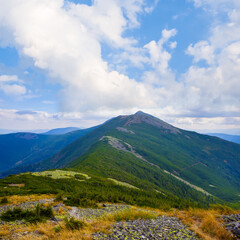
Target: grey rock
{"x":160,"y":228}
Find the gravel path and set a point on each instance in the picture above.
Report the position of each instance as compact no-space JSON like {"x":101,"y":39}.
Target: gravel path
{"x":161,"y":228}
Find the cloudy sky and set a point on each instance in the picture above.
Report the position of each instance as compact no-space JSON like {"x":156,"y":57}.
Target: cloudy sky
{"x":80,"y":62}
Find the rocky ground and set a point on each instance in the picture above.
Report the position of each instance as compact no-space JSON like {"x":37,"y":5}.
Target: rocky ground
{"x":89,"y":214}
{"x":232,"y":223}
{"x":161,"y":228}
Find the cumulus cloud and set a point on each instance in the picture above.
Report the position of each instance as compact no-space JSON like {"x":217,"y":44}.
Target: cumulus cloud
{"x":201,"y":51}
{"x":207,"y":125}
{"x":217,"y":6}
{"x":26,"y":120}
{"x":215,"y":88}
{"x":161,"y":78}
{"x":13,"y":89}
{"x":9,"y":78}
{"x":66,"y":40}
{"x":10,"y":85}
{"x":160,"y":75}
{"x":31,"y":120}
{"x":159,"y":57}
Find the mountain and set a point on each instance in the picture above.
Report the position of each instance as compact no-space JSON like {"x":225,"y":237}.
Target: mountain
{"x":7,"y":131}
{"x":18,"y":149}
{"x":228,"y":137}
{"x":147,"y":152}
{"x":58,"y":131}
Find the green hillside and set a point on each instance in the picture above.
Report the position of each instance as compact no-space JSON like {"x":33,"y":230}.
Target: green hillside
{"x":210,"y":163}
{"x":147,"y":153}
{"x":90,"y":190}
{"x":105,"y":161}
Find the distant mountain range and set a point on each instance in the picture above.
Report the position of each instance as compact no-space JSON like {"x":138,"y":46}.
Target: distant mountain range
{"x":18,"y":149}
{"x":58,"y":131}
{"x":228,"y":137}
{"x":43,"y":131}
{"x":7,"y":131}
{"x":148,"y":153}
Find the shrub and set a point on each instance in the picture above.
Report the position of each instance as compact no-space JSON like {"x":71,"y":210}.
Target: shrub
{"x":37,"y":215}
{"x":46,"y":212}
{"x":19,"y":214}
{"x":4,"y":200}
{"x":59,"y":197}
{"x":78,"y":201}
{"x":73,"y":224}
{"x":79,"y":177}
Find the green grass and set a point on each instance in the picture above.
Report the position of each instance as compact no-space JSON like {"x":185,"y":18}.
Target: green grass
{"x":57,"y":174}
{"x":122,"y":183}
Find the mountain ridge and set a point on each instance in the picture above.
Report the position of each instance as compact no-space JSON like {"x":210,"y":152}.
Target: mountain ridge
{"x":190,"y":160}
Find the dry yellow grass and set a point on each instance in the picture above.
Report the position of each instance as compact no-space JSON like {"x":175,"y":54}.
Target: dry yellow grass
{"x":46,"y":204}
{"x":103,"y":224}
{"x":130,"y":214}
{"x":206,"y":223}
{"x":45,"y":231}
{"x":4,"y":231}
{"x":16,"y":199}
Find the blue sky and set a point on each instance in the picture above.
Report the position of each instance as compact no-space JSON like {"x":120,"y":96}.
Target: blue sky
{"x":79,"y":63}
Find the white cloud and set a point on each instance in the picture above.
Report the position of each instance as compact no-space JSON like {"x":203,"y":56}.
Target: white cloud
{"x":216,"y":6}
{"x":215,"y":88}
{"x":66,"y":41}
{"x":173,"y":45}
{"x":9,"y":78}
{"x":201,"y":51}
{"x":10,"y":85}
{"x":28,"y":120}
{"x":13,"y":89}
{"x":207,"y":125}
{"x":159,"y":58}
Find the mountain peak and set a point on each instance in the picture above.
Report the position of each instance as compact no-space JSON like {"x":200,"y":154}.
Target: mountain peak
{"x":140,"y":113}
{"x":141,"y":117}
